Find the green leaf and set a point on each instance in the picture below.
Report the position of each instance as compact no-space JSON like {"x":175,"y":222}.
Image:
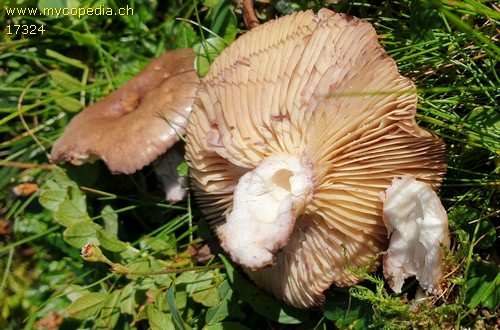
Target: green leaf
{"x":108,"y":236}
{"x":206,"y":51}
{"x":224,"y":21}
{"x":422,"y":20}
{"x":261,"y":302}
{"x":64,"y":80}
{"x":183,"y":169}
{"x":201,"y":282}
{"x":181,"y":300}
{"x":211,"y":3}
{"x":110,"y":218}
{"x":208,"y":297}
{"x":52,"y":198}
{"x":81,"y":233}
{"x":225,"y":291}
{"x":145,"y":10}
{"x":73,"y":208}
{"x":59,"y":175}
{"x":128,"y":304}
{"x":159,"y":320}
{"x":483,"y":285}
{"x":142,"y":314}
{"x":140,"y":266}
{"x":69,"y":103}
{"x":173,"y":308}
{"x":87,"y":305}
{"x":74,"y":292}
{"x":108,"y":241}
{"x":110,"y":312}
{"x":347,"y":312}
{"x":203,"y":289}
{"x":186,"y":36}
{"x":186,"y":278}
{"x":467,"y":218}
{"x":157,"y":244}
{"x":217,"y":313}
{"x":222,"y":310}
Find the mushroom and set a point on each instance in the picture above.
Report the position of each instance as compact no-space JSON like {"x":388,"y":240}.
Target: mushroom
{"x":166,"y":167}
{"x":297,"y":128}
{"x":138,"y":122}
{"x":417,"y":225}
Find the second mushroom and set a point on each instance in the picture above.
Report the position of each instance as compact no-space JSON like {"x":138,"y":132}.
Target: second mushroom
{"x":138,"y":123}
{"x":298,"y":127}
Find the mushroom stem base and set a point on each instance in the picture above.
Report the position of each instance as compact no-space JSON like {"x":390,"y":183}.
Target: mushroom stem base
{"x":266,"y":204}
{"x":417,"y":224}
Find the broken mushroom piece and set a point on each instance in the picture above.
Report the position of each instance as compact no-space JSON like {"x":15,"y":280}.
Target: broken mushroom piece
{"x":417,"y":225}
{"x":138,"y":122}
{"x":297,"y":128}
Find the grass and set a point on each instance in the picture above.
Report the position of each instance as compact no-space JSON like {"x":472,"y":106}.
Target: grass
{"x":449,"y":48}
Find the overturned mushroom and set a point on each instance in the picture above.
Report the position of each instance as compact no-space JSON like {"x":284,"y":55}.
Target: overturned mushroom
{"x":417,"y":225}
{"x":138,"y":122}
{"x":297,"y":128}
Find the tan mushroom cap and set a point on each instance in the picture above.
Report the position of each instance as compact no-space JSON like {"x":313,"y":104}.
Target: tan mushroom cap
{"x":139,"y":121}
{"x":321,"y":89}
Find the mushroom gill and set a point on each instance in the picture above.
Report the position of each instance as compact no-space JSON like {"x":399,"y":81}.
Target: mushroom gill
{"x":305,"y":120}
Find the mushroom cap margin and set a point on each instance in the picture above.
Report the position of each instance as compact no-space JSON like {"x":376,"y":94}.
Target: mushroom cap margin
{"x":138,"y":122}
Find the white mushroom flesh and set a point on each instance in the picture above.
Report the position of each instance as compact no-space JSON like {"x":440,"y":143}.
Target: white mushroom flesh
{"x":267,"y":201}
{"x":417,"y":225}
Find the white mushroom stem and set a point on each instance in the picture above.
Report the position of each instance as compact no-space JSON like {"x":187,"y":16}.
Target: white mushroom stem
{"x":417,"y":225}
{"x":174,"y":185}
{"x":267,"y":202}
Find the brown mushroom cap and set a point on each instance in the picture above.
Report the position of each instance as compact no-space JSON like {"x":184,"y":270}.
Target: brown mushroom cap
{"x":319,"y":88}
{"x":139,"y":121}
